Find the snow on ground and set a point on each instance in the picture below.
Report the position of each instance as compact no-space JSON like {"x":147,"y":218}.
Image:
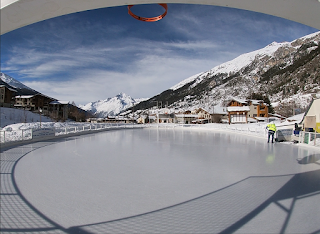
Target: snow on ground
{"x":16,"y":119}
{"x":11,"y":116}
{"x":10,"y":121}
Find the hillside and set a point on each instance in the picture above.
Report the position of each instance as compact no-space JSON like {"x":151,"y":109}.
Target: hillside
{"x":281,"y":71}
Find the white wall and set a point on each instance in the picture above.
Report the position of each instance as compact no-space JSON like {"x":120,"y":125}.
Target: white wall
{"x":18,"y":13}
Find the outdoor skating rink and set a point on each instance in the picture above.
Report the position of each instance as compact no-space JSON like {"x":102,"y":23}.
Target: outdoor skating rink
{"x":160,"y":181}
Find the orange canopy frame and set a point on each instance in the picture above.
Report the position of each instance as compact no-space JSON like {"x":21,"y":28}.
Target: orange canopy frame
{"x":152,"y":19}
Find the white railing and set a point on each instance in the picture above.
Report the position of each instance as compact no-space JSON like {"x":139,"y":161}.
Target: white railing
{"x":255,"y":130}
{"x":20,"y":135}
{"x":309,"y":138}
{"x":26,"y":134}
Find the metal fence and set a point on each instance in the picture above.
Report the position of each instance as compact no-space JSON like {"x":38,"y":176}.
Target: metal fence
{"x":26,"y":134}
{"x":309,"y":138}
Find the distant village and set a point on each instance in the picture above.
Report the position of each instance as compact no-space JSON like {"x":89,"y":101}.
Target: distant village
{"x":236,"y":111}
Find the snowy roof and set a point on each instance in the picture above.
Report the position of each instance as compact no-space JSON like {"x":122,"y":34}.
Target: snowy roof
{"x":261,"y":118}
{"x":24,"y":96}
{"x":239,"y":100}
{"x":13,"y":90}
{"x":252,"y":120}
{"x":219,"y":110}
{"x":298,"y":118}
{"x":276,"y":115}
{"x":256,"y":102}
{"x":59,"y":103}
{"x":186,"y":116}
{"x":238,"y":108}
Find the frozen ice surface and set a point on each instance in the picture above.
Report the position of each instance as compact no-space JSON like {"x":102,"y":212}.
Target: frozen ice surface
{"x":112,"y":175}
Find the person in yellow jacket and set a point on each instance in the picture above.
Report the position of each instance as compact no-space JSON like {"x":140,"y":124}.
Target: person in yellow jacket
{"x":271,"y":130}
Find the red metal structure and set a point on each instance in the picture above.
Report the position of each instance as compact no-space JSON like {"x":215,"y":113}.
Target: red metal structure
{"x":152,"y":19}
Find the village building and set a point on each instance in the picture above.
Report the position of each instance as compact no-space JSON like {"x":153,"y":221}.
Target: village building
{"x":257,"y":109}
{"x":238,"y":111}
{"x":244,"y":111}
{"x":219,"y":114}
{"x":311,"y":119}
{"x":6,"y":96}
{"x":186,"y":117}
{"x":166,"y":118}
{"x":143,"y":119}
{"x":59,"y":110}
{"x":34,"y":102}
{"x":204,"y":116}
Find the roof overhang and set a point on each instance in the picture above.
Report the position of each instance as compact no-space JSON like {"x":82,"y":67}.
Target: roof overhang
{"x":19,"y":13}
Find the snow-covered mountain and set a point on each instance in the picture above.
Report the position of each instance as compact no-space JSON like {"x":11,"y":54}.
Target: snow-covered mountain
{"x":111,"y":106}
{"x":281,"y":71}
{"x":12,"y":83}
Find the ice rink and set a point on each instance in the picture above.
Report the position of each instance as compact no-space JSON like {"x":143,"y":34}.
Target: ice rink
{"x":160,"y":181}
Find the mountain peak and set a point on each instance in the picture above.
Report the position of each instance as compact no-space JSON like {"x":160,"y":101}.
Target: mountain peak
{"x":111,"y":106}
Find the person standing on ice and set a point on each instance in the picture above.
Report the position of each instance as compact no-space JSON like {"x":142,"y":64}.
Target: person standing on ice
{"x":271,"y":127}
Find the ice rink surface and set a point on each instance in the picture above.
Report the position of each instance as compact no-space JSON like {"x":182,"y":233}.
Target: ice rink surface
{"x":169,"y":181}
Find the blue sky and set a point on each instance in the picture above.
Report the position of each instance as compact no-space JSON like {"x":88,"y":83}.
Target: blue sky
{"x":93,"y":55}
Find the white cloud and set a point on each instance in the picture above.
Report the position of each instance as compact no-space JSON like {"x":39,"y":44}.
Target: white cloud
{"x":150,"y":76}
{"x":120,"y":58}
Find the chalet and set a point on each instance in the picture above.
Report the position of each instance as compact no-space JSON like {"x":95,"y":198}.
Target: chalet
{"x":311,"y":119}
{"x":243,"y":111}
{"x":34,"y":102}
{"x":204,"y":116}
{"x":143,"y":119}
{"x":6,"y":96}
{"x":219,"y":114}
{"x":166,"y":118}
{"x":237,"y":102}
{"x":59,"y":110}
{"x":238,"y":114}
{"x":238,"y":111}
{"x":257,"y":108}
{"x":186,"y":117}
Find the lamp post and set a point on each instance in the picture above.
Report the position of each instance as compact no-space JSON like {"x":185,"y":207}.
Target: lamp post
{"x":40,"y":111}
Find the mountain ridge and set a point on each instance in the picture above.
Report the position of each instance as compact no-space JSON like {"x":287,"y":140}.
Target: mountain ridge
{"x":279,"y":70}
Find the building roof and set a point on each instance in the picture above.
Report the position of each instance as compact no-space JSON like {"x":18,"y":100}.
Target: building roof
{"x":220,"y":110}
{"x":13,"y":90}
{"x":256,"y":102}
{"x":24,"y":96}
{"x":186,"y":116}
{"x":314,"y":101}
{"x":59,"y":103}
{"x":239,"y":100}
{"x":277,"y":115}
{"x":252,"y":120}
{"x":238,"y":108}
